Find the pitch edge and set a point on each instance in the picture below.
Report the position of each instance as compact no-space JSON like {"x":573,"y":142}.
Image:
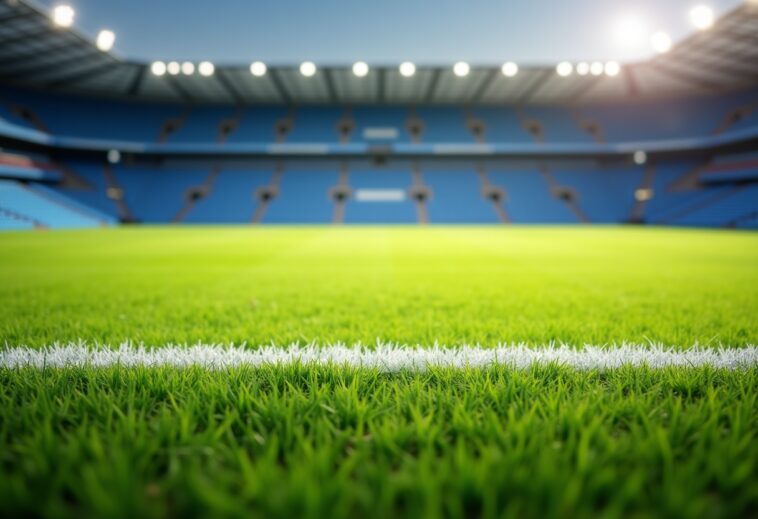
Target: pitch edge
{"x":385,"y":357}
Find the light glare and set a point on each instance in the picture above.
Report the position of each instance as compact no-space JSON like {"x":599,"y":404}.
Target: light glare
{"x":158,"y":68}
{"x":583,"y":68}
{"x":564,"y":69}
{"x":640,"y":157}
{"x":174,"y":68}
{"x":407,"y":69}
{"x":114,"y":156}
{"x":206,"y":68}
{"x":596,"y":69}
{"x":461,"y":69}
{"x":105,"y":40}
{"x":258,"y":69}
{"x":308,"y":69}
{"x":360,"y":69}
{"x":661,"y":42}
{"x":612,"y":69}
{"x":63,"y":15}
{"x":510,"y":69}
{"x":188,"y":68}
{"x":630,"y":32}
{"x":702,"y":17}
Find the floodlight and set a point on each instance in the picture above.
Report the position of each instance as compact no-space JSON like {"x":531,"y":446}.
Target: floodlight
{"x":461,"y":69}
{"x":308,"y":68}
{"x":206,"y":68}
{"x":702,"y":17}
{"x":360,"y":69}
{"x":643,"y":194}
{"x":174,"y":68}
{"x":630,"y":32}
{"x":63,"y":15}
{"x":105,"y":40}
{"x":640,"y":157}
{"x":612,"y":69}
{"x":510,"y":69}
{"x":258,"y":69}
{"x":188,"y":68}
{"x":596,"y":69}
{"x":583,"y":68}
{"x":158,"y":68}
{"x":114,"y":156}
{"x":564,"y":69}
{"x":407,"y":69}
{"x":661,"y":42}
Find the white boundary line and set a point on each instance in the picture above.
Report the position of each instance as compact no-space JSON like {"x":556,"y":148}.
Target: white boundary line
{"x":386,"y":357}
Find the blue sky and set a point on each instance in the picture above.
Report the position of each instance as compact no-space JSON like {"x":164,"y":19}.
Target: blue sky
{"x":379,"y":31}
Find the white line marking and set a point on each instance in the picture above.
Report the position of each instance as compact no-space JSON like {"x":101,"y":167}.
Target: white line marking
{"x":386,"y":357}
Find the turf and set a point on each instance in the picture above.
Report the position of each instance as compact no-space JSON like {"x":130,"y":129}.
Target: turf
{"x":321,"y":442}
{"x":402,"y":285}
{"x":316,"y":441}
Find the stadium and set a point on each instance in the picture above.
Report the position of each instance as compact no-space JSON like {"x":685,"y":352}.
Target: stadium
{"x":367,"y":289}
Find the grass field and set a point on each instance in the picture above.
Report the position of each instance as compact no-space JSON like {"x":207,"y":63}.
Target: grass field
{"x":338,"y":441}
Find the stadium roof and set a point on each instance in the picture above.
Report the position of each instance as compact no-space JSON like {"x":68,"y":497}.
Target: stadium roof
{"x":36,"y":53}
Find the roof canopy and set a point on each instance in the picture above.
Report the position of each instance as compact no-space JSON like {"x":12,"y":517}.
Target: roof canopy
{"x":34,"y":53}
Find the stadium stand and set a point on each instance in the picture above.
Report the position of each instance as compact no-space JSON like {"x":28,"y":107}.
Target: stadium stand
{"x":651,"y":146}
{"x":371,"y":211}
{"x":36,"y":205}
{"x":457,"y":199}
{"x":231,"y":199}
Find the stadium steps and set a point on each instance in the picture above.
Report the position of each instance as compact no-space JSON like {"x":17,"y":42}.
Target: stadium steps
{"x":194,"y":194}
{"x":712,"y":198}
{"x":564,"y":194}
{"x":117,"y":194}
{"x":420,"y":194}
{"x":11,"y":221}
{"x":43,"y":211}
{"x":738,"y":117}
{"x":637,"y":214}
{"x":732,"y":206}
{"x":59,"y":198}
{"x":496,"y":195}
{"x":173,"y":124}
{"x":266,"y":194}
{"x":340,"y":194}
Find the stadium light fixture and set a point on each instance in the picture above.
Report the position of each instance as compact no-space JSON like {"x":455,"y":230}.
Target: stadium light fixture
{"x":174,"y":68}
{"x":158,"y":68}
{"x":360,"y":69}
{"x":583,"y":68}
{"x":564,"y":69}
{"x":258,"y":69}
{"x":640,"y":157}
{"x":630,"y":32}
{"x":308,"y":68}
{"x":114,"y":156}
{"x":612,"y":69}
{"x":188,"y":68}
{"x":702,"y":17}
{"x":661,"y":42}
{"x":461,"y":69}
{"x":407,"y":69}
{"x":596,"y":69}
{"x":105,"y":40}
{"x":63,"y":15}
{"x":643,"y":194}
{"x":510,"y":69}
{"x":206,"y":69}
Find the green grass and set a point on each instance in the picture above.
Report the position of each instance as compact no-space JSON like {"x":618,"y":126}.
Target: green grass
{"x":304,"y":441}
{"x":406,"y":285}
{"x":321,"y":442}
